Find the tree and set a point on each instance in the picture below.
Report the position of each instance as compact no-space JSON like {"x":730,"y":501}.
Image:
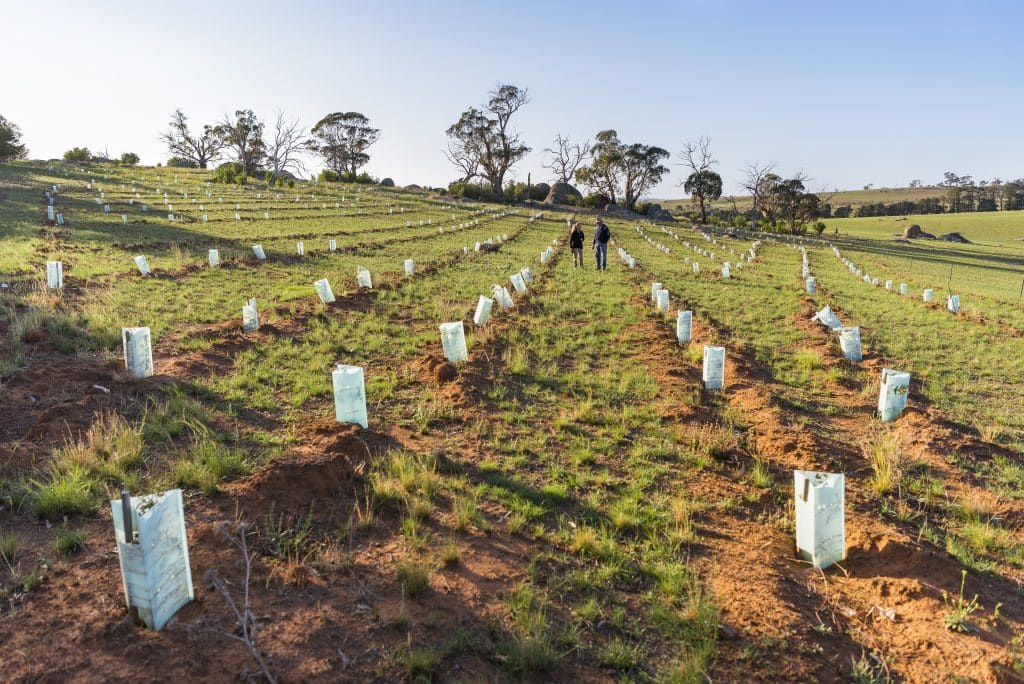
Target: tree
{"x":604,"y":173}
{"x":753,"y":181}
{"x":642,"y":170}
{"x":244,"y":136}
{"x":129,"y":159}
{"x":342,"y":139}
{"x":486,"y":138}
{"x":288,"y":140}
{"x":703,"y":187}
{"x":11,"y":147}
{"x":78,"y":154}
{"x":696,"y":156}
{"x":566,"y":157}
{"x":201,"y":149}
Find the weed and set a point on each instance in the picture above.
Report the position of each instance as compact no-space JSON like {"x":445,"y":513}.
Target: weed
{"x":959,"y":609}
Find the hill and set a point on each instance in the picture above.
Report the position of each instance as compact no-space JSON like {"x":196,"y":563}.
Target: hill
{"x":569,"y":500}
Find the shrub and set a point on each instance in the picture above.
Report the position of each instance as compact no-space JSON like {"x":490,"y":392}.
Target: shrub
{"x":328,"y":176}
{"x":596,"y":200}
{"x":68,"y":541}
{"x":181,"y":163}
{"x":78,"y":154}
{"x":229,"y":172}
{"x":129,"y":159}
{"x":819,"y":227}
{"x":473,"y":191}
{"x":641,"y":207}
{"x":361,"y":178}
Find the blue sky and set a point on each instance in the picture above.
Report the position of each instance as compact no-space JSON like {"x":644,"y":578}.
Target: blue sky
{"x":850,"y":93}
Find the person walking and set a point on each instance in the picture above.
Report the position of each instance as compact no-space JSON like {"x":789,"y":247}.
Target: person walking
{"x":601,"y":237}
{"x":576,"y":239}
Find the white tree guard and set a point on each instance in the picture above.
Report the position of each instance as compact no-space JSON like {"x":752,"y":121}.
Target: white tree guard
{"x":138,"y":352}
{"x":332,"y":245}
{"x":349,"y":395}
{"x":849,"y":342}
{"x":323,"y":290}
{"x":300,"y":248}
{"x":54,"y":275}
{"x":663,"y":300}
{"x":214,"y":258}
{"x":953,"y":303}
{"x":828,"y":318}
{"x":903,"y":289}
{"x":684,"y":326}
{"x":527,"y":274}
{"x":142,"y":264}
{"x":810,"y":285}
{"x":928,"y":294}
{"x":654,"y":292}
{"x":820,"y":510}
{"x":453,"y":341}
{"x":250,"y":316}
{"x":892,"y":398}
{"x":363,"y":278}
{"x":155,"y":568}
{"x":483,"y":310}
{"x":714,"y":367}
{"x":503,"y":296}
{"x":410,"y":267}
{"x":518,"y":282}
{"x":258,"y":251}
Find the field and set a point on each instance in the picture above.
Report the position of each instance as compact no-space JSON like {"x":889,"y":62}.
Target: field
{"x":853,"y":198}
{"x":569,"y":505}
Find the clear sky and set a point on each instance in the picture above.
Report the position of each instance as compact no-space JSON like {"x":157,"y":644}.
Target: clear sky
{"x":850,"y":93}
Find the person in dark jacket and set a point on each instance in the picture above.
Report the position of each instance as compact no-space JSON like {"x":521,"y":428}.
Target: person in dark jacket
{"x":576,"y":239}
{"x":601,"y":237}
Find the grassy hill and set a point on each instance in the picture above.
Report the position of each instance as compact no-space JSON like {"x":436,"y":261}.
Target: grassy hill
{"x":840,"y":198}
{"x":568,"y":503}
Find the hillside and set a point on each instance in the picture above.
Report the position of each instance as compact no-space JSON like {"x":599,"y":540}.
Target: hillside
{"x":569,"y":502}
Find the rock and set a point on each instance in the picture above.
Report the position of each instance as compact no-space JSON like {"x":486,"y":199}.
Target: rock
{"x":560,"y":192}
{"x":656,"y":213}
{"x":387,"y":183}
{"x":955,"y":237}
{"x":413,"y":187}
{"x":914,"y":231}
{"x":540,"y":191}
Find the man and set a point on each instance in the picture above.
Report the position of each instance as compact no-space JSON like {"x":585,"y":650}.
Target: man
{"x":576,"y":239}
{"x":601,"y":237}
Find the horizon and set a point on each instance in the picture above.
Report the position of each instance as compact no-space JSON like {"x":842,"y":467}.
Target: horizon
{"x":579,"y":78}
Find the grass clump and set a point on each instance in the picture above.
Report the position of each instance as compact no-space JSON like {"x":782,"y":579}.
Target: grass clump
{"x":64,"y":492}
{"x":209,"y":463}
{"x":66,"y":541}
{"x":884,"y":453}
{"x":414,"y":576}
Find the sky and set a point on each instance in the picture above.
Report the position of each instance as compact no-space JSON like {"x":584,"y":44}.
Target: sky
{"x":848,"y":93}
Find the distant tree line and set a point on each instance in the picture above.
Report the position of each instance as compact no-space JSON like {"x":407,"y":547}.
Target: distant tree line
{"x":959,"y":194}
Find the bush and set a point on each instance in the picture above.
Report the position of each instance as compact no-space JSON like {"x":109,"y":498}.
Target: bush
{"x":78,"y":154}
{"x":181,"y":163}
{"x":328,"y":176}
{"x":361,"y":178}
{"x":473,"y":191}
{"x":129,"y":159}
{"x":229,"y":172}
{"x":819,"y":227}
{"x":641,"y":207}
{"x":596,"y":200}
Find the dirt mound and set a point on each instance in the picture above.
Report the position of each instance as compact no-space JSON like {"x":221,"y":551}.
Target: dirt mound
{"x":56,"y":399}
{"x":433,"y":370}
{"x":322,"y":468}
{"x":914,"y":231}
